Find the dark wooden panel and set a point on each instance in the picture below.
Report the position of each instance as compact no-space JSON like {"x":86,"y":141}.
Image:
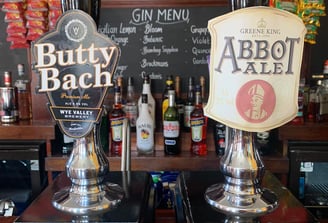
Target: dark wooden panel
{"x":161,"y":3}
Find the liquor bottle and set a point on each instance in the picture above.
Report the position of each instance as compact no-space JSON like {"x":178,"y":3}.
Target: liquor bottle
{"x":131,"y":106}
{"x":145,"y":128}
{"x":165,"y":95}
{"x":220,"y":138}
{"x":151,"y":100}
{"x":119,"y":82}
{"x":67,"y":145}
{"x":116,"y":118}
{"x":322,"y":92}
{"x":313,"y":103}
{"x":171,"y":127}
{"x":203,"y":87}
{"x":103,"y":131}
{"x":23,"y":94}
{"x":325,"y":69}
{"x":9,"y":105}
{"x":189,"y":105}
{"x":198,"y":126}
{"x":178,"y":100}
{"x":299,"y":119}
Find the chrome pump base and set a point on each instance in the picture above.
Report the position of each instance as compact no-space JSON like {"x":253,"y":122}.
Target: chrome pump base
{"x":241,"y":194}
{"x":86,"y":167}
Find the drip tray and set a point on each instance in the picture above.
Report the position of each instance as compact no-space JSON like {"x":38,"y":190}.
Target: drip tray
{"x":316,"y":195}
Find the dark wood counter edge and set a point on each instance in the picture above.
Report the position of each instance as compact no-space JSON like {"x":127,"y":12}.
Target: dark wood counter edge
{"x":28,"y":130}
{"x":309,"y":131}
{"x":185,"y":161}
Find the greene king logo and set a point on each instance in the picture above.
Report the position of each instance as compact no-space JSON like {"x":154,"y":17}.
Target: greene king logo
{"x":76,"y":30}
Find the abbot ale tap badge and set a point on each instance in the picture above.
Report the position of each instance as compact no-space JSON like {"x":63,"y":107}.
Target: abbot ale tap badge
{"x":75,"y":65}
{"x":255,"y":65}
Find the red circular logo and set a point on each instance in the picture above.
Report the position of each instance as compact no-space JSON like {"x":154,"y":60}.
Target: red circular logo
{"x":256,"y":101}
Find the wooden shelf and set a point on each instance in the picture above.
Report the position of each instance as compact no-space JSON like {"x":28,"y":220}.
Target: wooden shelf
{"x":309,"y":131}
{"x":36,"y":130}
{"x":28,"y":130}
{"x":185,"y":161}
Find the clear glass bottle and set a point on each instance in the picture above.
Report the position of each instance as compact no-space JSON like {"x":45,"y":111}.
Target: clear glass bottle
{"x":151,"y":101}
{"x":189,"y":105}
{"x":171,"y":127}
{"x":23,"y":94}
{"x":145,"y":128}
{"x":198,"y":126}
{"x":116,"y":118}
{"x":131,"y":106}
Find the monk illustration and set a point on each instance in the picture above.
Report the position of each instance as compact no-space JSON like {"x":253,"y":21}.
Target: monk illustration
{"x":256,"y":112}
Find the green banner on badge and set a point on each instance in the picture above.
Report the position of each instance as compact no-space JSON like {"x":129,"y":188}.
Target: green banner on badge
{"x":255,"y":65}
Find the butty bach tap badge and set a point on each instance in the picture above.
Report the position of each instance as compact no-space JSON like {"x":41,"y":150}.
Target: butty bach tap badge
{"x":75,"y":65}
{"x":255,"y":65}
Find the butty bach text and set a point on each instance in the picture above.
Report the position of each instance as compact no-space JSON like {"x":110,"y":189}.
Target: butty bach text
{"x":49,"y":58}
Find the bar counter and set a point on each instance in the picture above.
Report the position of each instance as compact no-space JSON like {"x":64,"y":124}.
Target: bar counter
{"x":289,"y":210}
{"x":192,"y":204}
{"x":136,"y":206}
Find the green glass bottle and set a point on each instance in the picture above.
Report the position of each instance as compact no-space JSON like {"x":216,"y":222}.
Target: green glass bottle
{"x":171,"y":127}
{"x":165,"y":96}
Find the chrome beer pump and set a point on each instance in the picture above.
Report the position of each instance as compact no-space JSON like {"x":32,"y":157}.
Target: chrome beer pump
{"x":241,"y":195}
{"x":77,"y":108}
{"x":249,"y":103}
{"x":86,"y":167}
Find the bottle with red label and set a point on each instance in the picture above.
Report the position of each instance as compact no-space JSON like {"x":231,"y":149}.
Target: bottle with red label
{"x":116,"y":118}
{"x":198,"y":125}
{"x":171,"y":127}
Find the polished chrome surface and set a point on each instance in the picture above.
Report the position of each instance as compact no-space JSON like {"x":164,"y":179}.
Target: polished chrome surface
{"x":126,"y":146}
{"x":86,"y":167}
{"x":243,"y":169}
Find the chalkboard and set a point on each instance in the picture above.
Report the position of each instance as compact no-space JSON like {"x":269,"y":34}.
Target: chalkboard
{"x":160,"y":42}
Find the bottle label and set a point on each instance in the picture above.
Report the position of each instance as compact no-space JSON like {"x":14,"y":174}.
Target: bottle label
{"x":187,"y":111}
{"x":196,"y":125}
{"x":131,"y":112}
{"x":170,"y":142}
{"x":145,"y":137}
{"x":117,"y":129}
{"x":171,"y":129}
{"x":165,"y":105}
